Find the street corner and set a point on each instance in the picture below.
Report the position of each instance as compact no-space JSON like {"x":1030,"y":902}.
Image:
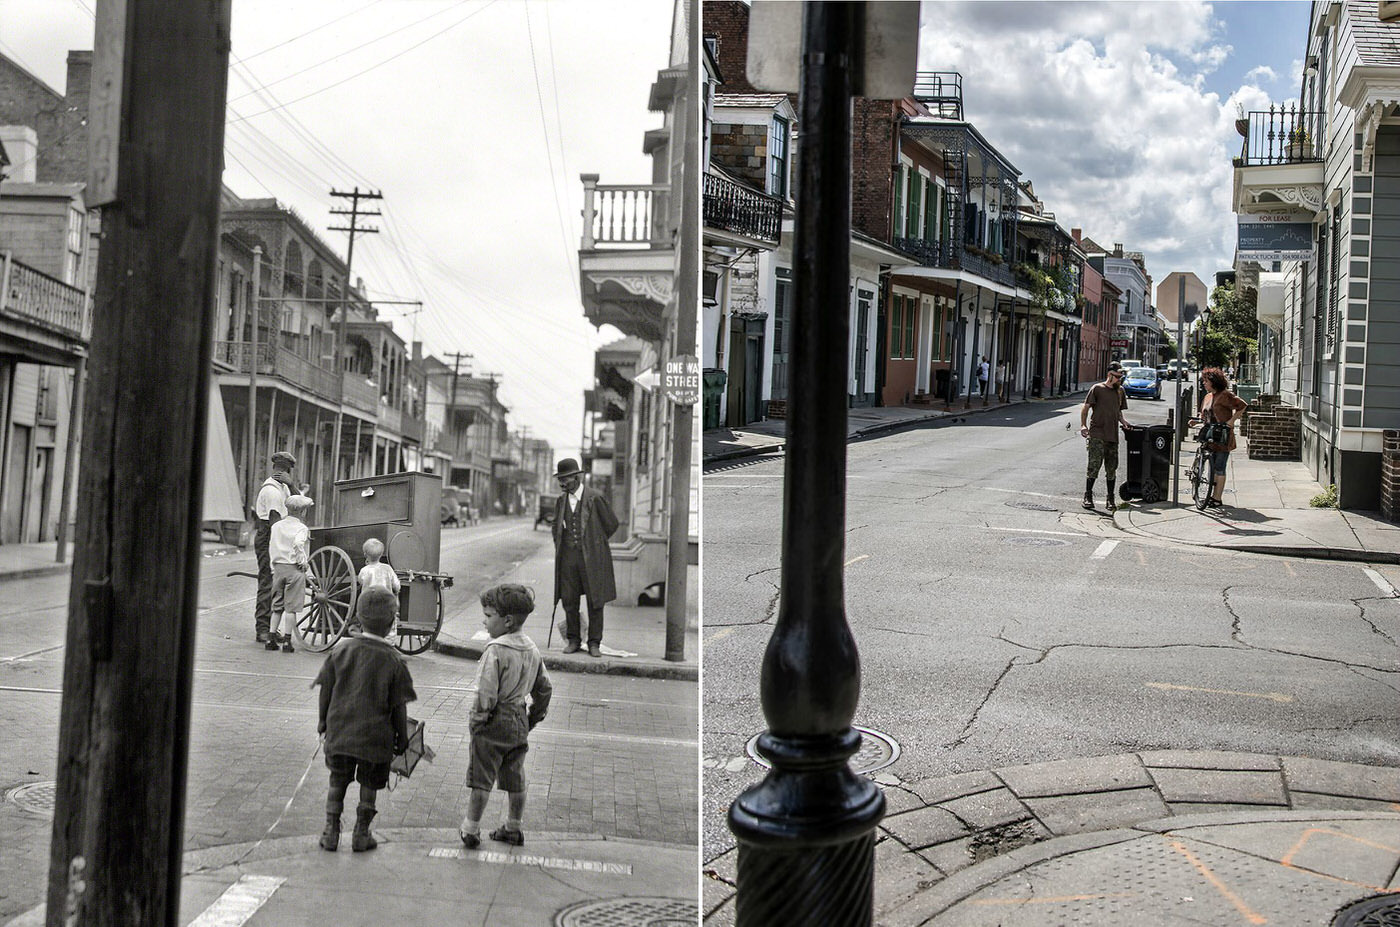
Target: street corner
{"x":1253,"y":871}
{"x":427,"y":874}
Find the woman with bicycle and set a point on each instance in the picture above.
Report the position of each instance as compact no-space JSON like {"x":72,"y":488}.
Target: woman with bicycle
{"x":1219,"y":407}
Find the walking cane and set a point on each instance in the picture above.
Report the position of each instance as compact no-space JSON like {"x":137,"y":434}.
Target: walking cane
{"x":550,"y":636}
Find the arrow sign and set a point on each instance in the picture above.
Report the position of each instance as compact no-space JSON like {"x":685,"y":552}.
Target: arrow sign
{"x":648,"y":379}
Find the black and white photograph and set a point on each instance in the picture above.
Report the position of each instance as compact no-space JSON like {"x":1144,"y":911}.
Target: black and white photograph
{"x":350,"y":490}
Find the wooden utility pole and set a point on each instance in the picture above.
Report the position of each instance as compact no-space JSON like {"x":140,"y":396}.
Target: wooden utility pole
{"x":354,"y":228}
{"x":123,"y":740}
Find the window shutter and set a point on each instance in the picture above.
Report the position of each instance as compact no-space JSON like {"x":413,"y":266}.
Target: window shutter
{"x":911,"y":303}
{"x":937,"y":353}
{"x":897,"y":327}
{"x":898,"y":200}
{"x":1334,"y":273}
{"x":930,"y":210}
{"x":912,"y":227}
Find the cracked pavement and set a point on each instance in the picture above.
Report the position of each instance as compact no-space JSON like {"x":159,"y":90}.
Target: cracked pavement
{"x":1040,"y":653}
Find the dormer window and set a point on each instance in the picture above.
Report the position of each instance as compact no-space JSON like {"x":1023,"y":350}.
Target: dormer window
{"x":778,"y":135}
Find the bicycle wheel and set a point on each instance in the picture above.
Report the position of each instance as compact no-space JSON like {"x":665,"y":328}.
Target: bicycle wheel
{"x":1204,"y":479}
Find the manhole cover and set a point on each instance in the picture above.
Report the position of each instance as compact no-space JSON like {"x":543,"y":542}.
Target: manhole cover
{"x":1376,"y":911}
{"x":876,"y":751}
{"x":630,"y":912}
{"x":1037,"y":542}
{"x":35,"y":798}
{"x":1034,"y":506}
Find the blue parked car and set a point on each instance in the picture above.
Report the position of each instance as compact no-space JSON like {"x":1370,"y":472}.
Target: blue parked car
{"x":1142,"y":381}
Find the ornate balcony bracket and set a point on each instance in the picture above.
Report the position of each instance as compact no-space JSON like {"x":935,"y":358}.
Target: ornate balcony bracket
{"x":1303,"y":196}
{"x":1373,"y":92}
{"x":655,"y":287}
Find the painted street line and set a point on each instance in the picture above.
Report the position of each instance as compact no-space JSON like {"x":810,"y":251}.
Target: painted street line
{"x":1381,"y":582}
{"x":526,"y":859}
{"x":239,"y":902}
{"x":1027,"y":492}
{"x":32,"y":653}
{"x":1068,"y":534}
{"x":741,"y":476}
{"x":1254,"y":917}
{"x":28,"y":689}
{"x":722,"y":633}
{"x":856,"y":560}
{"x":1271,"y":696}
{"x":1103,"y":550}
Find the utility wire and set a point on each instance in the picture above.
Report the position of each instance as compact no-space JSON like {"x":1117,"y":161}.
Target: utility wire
{"x":380,"y":64}
{"x":303,"y":35}
{"x":549,"y":153}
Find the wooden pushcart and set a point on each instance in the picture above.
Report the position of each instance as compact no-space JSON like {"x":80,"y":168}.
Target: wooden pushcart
{"x":401,"y":511}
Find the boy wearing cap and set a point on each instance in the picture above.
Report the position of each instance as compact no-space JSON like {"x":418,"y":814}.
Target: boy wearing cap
{"x":271,"y":505}
{"x":583,"y":565}
{"x":288,"y":548}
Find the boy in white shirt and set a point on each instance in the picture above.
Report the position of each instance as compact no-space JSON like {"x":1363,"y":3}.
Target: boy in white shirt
{"x":288,"y":550}
{"x":376,"y":572}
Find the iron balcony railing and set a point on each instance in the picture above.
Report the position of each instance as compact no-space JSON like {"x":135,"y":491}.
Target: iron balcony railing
{"x":957,"y":256}
{"x":1281,"y":135}
{"x":277,"y":361}
{"x":625,"y":215}
{"x":33,"y":296}
{"x":941,"y":92}
{"x":733,"y":207}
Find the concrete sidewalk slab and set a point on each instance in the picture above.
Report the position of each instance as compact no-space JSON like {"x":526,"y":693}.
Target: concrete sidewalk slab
{"x":636,"y":634}
{"x":989,"y":842}
{"x":424,"y":875}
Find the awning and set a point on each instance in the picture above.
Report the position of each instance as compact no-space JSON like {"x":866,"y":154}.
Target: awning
{"x":222,"y":499}
{"x":956,"y":276}
{"x":1269,"y":306}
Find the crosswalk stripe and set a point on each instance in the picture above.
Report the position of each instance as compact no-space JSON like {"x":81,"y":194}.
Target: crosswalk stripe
{"x":1381,"y":582}
{"x":1104,"y":549}
{"x":239,"y":902}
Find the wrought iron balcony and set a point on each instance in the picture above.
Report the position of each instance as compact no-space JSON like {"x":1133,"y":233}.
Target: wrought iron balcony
{"x":1281,"y":135}
{"x":47,"y":302}
{"x":732,"y":207}
{"x":957,"y":256}
{"x":625,"y":215}
{"x":277,"y":361}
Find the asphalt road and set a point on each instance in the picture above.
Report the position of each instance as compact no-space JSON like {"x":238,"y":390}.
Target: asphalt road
{"x":615,"y":757}
{"x":994,"y":629}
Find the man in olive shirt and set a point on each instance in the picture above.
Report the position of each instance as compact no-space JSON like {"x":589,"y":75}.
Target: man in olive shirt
{"x":1105,"y":401}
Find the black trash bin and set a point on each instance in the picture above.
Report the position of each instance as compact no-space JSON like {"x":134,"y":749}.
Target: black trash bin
{"x":1149,"y":469}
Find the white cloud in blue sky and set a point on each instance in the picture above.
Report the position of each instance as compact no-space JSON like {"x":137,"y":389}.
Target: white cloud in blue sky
{"x":1122,"y":113}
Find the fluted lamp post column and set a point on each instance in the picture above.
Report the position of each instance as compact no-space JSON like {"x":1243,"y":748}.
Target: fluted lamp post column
{"x":806,"y":833}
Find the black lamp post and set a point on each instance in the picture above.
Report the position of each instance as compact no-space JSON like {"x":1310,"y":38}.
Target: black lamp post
{"x":806,"y":833}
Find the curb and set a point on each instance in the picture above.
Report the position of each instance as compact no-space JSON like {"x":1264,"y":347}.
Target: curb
{"x":870,"y":431}
{"x":685,"y":672}
{"x":34,"y":572}
{"x":1346,"y":554}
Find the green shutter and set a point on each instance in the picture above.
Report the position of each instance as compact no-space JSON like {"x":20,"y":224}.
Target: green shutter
{"x":910,"y":314}
{"x":898,"y":199}
{"x":896,"y":326}
{"x":930,"y":210}
{"x":912,"y":227}
{"x":937,"y":334}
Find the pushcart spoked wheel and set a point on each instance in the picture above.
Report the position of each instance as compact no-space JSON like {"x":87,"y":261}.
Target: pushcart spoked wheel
{"x":331,"y":591}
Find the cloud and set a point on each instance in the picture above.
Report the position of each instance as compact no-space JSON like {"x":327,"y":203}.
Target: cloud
{"x":1261,"y":73}
{"x":1104,"y":107}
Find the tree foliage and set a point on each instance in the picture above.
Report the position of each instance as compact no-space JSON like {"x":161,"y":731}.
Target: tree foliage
{"x":1233,"y":318}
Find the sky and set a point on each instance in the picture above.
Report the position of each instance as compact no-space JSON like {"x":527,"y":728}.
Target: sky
{"x":474,"y":118}
{"x":1121,"y":114}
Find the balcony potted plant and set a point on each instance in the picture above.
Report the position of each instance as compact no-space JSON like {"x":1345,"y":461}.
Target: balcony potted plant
{"x":1299,"y":144}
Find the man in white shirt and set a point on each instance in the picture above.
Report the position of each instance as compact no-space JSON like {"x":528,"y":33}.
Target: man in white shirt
{"x":271,"y":505}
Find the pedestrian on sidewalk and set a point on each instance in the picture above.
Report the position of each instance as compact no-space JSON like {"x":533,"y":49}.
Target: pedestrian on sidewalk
{"x":583,"y":564}
{"x":1220,"y":405}
{"x":1105,"y":402}
{"x":365,"y":691}
{"x":511,"y":669}
{"x":287,"y":548}
{"x":270,"y":505}
{"x":983,"y":371}
{"x":1001,"y":380}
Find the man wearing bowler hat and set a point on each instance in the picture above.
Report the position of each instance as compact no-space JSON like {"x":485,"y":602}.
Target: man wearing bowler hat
{"x":583,"y":566}
{"x":271,"y":506}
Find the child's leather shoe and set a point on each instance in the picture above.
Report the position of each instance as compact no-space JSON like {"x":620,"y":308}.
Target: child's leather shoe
{"x":506,"y":835}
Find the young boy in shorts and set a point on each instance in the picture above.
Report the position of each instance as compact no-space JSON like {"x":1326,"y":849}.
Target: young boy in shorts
{"x":510,"y":670}
{"x":375,"y":571}
{"x":365,"y":691}
{"x":287,"y":548}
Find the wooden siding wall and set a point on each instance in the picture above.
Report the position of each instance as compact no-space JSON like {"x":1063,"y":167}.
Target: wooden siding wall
{"x":1382,"y":320}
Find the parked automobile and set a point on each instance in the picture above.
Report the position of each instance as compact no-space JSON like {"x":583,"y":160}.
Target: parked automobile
{"x":1175,"y":367}
{"x":1162,"y":371}
{"x":1142,"y":381}
{"x":1130,"y":363}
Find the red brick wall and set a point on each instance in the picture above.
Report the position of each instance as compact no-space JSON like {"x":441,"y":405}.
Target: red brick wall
{"x":1390,"y":475}
{"x":728,"y":21}
{"x":872,"y":167}
{"x":1277,"y":434}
